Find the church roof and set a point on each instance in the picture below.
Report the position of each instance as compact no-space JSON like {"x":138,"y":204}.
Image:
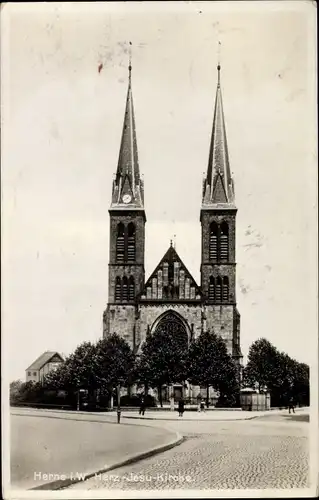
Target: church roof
{"x":218,"y":186}
{"x":128,"y":189}
{"x":171,"y":281}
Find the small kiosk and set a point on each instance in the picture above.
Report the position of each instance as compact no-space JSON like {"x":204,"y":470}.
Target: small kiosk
{"x":253,"y":400}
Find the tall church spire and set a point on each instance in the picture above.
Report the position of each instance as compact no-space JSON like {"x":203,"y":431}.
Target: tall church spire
{"x":128,"y":186}
{"x":218,"y":187}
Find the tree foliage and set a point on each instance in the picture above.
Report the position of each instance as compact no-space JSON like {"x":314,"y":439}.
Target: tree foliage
{"x":115,"y":362}
{"x":210,"y":365}
{"x":162,"y":361}
{"x":284,"y":377}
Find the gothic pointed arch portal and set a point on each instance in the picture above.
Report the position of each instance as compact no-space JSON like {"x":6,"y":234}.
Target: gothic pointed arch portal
{"x":171,"y":323}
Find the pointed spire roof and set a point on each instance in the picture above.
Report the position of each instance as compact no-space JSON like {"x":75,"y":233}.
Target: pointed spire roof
{"x":218,"y":187}
{"x":128,"y":189}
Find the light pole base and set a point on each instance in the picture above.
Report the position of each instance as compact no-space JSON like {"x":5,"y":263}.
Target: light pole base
{"x":118,"y":416}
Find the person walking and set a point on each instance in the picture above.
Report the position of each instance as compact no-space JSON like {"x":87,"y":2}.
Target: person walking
{"x":291,"y":406}
{"x":142,"y":406}
{"x":181,"y":405}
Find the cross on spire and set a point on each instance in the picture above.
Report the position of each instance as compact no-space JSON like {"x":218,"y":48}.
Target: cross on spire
{"x":130,"y":59}
{"x":218,"y":64}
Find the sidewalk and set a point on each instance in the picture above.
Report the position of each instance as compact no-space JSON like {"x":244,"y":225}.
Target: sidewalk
{"x":50,"y":451}
{"x":217,"y":415}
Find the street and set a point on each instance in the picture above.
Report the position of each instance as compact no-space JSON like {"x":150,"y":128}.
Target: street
{"x":269,"y":451}
{"x":221,"y":455}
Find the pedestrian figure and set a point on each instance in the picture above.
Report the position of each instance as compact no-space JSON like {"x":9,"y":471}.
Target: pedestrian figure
{"x":142,"y":406}
{"x":202,"y":405}
{"x":181,"y":407}
{"x":291,"y":406}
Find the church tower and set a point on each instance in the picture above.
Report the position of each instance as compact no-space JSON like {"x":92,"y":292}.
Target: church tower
{"x":218,"y":221}
{"x":127,"y":233}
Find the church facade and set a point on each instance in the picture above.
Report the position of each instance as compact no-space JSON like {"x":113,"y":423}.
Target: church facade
{"x":170,"y":299}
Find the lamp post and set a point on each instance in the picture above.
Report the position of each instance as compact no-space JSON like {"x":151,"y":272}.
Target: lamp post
{"x":78,"y":400}
{"x":118,"y":404}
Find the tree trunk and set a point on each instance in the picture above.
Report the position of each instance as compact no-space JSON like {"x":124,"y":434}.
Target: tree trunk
{"x":145,"y":389}
{"x":207,"y":396}
{"x":160,"y":395}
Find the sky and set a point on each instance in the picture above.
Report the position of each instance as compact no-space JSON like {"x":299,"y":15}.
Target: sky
{"x":61,"y":128}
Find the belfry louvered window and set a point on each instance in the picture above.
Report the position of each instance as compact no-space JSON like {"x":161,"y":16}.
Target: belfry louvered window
{"x":131,"y":289}
{"x":120,"y":244}
{"x":213,"y":238}
{"x":218,"y":290}
{"x":211,"y":288}
{"x":124,"y":289}
{"x":118,"y":289}
{"x":224,"y":241}
{"x":225,"y":289}
{"x":131,"y":242}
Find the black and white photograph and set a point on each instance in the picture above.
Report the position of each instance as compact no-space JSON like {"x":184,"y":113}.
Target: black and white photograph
{"x":159,"y":249}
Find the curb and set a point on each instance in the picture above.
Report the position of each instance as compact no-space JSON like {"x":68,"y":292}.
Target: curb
{"x":65,"y":483}
{"x":190,"y":419}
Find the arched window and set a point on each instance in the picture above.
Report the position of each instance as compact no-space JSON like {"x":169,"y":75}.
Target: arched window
{"x":131,"y":289}
{"x":118,"y":289}
{"x":131,"y":242}
{"x":120,"y":243}
{"x":124,"y":289}
{"x":165,"y":273}
{"x":154,"y":288}
{"x":224,"y":241}
{"x":187,"y":288}
{"x":225,"y":289}
{"x":211,"y":288}
{"x":218,"y":289}
{"x":213,"y":234}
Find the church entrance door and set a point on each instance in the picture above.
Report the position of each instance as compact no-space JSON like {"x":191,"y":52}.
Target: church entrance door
{"x":171,"y":324}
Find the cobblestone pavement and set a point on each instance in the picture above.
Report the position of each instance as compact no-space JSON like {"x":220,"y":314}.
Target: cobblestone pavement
{"x":220,"y":455}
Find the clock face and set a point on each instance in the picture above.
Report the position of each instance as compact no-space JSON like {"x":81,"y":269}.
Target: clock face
{"x":127,"y":198}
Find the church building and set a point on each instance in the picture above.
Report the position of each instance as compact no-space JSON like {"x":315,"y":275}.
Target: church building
{"x":170,"y":299}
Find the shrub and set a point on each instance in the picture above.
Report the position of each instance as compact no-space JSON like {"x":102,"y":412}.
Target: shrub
{"x":135,"y":400}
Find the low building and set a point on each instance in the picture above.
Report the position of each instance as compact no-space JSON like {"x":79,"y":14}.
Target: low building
{"x":48,"y":361}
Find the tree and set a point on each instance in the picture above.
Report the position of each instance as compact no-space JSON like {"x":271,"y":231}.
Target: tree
{"x":210,"y":365}
{"x":115,"y":363}
{"x":263,"y":365}
{"x":301,"y":384}
{"x":78,"y":371}
{"x":284,"y":377}
{"x":162,"y":361}
{"x":15,"y":391}
{"x":94,"y":367}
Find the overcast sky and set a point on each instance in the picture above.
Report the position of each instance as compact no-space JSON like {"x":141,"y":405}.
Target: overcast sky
{"x":62,"y":122}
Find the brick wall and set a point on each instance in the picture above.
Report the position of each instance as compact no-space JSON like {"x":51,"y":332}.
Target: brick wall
{"x":120,"y":319}
{"x":133,"y":216}
{"x":215,"y":270}
{"x":208,"y":216}
{"x":137,"y":269}
{"x":220,"y":319}
{"x":226,"y":269}
{"x":149,"y":313}
{"x":129,"y":270}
